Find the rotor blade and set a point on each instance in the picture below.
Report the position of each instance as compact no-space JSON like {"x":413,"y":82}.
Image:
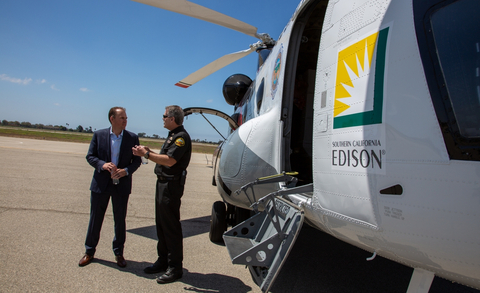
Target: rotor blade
{"x":213,"y":67}
{"x":194,"y":10}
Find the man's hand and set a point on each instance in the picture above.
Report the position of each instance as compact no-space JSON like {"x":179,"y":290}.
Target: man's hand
{"x":119,"y":173}
{"x":140,"y":150}
{"x":110,"y":167}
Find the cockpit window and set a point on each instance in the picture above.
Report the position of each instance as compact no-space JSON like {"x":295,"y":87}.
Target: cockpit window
{"x":456,"y":33}
{"x":245,"y":111}
{"x":260,"y":96}
{"x":448,"y":35}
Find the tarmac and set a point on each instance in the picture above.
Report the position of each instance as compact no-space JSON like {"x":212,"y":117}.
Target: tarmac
{"x":44,"y":213}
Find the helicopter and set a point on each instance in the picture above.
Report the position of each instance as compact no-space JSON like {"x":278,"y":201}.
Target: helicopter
{"x":362,"y":122}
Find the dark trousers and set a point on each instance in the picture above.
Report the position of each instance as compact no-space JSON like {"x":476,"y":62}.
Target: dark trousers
{"x":98,"y":206}
{"x":167,"y":219}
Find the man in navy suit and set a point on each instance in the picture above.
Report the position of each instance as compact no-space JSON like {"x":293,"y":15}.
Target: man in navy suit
{"x":110,"y":153}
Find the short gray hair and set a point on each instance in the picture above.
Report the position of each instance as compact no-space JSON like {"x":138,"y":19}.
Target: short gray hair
{"x":176,"y":112}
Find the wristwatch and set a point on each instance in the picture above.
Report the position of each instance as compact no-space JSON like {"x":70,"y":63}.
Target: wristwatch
{"x":147,"y":154}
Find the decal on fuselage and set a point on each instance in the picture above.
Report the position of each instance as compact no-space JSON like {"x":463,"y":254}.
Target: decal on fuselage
{"x":276,"y":72}
{"x":358,"y":142}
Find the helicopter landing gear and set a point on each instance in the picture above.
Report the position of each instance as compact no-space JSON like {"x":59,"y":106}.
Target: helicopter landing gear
{"x":218,"y":221}
{"x":224,"y":215}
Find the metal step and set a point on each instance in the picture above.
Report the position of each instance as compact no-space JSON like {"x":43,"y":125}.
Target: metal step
{"x":263,"y":242}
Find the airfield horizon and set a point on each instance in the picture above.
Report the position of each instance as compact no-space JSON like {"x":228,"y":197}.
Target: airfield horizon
{"x":82,"y":137}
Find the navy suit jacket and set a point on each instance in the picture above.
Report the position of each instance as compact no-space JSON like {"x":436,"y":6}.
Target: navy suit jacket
{"x":99,"y":153}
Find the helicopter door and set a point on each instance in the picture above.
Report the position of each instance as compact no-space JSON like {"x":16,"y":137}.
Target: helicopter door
{"x":299,"y":90}
{"x":231,"y":123}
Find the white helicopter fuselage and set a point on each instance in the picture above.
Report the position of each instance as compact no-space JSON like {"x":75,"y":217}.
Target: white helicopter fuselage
{"x":375,"y":103}
{"x":383,"y":177}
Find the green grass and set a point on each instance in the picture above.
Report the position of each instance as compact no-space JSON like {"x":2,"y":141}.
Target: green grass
{"x":87,"y":137}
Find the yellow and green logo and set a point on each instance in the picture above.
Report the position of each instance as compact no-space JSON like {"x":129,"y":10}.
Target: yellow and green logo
{"x":180,"y":142}
{"x":358,"y":93}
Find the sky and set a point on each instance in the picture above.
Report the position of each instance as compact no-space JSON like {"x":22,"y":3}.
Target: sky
{"x":68,"y":62}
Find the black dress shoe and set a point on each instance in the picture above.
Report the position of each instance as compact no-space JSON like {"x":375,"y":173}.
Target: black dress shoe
{"x":169,"y":277}
{"x":156,"y":268}
{"x":86,"y":259}
{"x":121,"y":262}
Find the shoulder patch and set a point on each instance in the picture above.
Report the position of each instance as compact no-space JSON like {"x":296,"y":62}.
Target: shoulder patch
{"x":180,"y":142}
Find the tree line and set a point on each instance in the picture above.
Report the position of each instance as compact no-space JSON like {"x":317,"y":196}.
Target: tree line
{"x":155,"y":136}
{"x":80,"y":128}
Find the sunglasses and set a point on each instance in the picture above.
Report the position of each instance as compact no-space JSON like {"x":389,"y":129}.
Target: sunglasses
{"x":165,"y":116}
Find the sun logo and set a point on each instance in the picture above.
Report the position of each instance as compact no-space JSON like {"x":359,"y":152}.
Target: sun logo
{"x":359,"y":82}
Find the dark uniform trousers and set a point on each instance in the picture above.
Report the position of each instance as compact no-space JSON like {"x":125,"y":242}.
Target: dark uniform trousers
{"x":168,"y":196}
{"x":98,"y":207}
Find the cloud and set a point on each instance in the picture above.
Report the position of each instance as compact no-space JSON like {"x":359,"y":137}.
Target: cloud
{"x":210,"y":101}
{"x":84,"y":89}
{"x":24,"y":81}
{"x":56,"y":104}
{"x":41,"y":81}
{"x":54,"y":88}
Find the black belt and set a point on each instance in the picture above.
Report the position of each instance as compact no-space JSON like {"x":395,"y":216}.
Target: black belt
{"x":162,"y":178}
